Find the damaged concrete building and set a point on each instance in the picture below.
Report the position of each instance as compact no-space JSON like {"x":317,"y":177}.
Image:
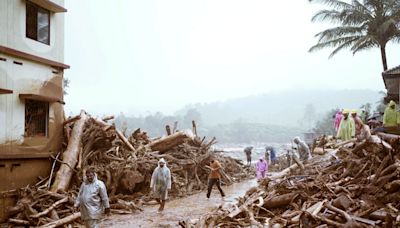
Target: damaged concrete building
{"x":31,"y":90}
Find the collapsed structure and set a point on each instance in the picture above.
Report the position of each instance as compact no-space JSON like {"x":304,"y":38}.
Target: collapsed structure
{"x":353,"y":184}
{"x":125,"y":164}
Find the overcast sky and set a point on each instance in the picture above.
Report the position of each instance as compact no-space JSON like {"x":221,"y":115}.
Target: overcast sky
{"x":144,"y":56}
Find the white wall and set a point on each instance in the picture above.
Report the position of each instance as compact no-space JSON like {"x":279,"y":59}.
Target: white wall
{"x":12,"y":31}
{"x":27,"y":78}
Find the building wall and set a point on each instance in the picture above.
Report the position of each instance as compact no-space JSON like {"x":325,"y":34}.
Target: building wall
{"x":22,"y":79}
{"x":12,"y":27}
{"x":24,"y":159}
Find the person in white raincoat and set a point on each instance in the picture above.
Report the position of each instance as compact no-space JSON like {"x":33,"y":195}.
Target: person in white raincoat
{"x":303,"y":149}
{"x":161,"y":182}
{"x":92,"y":199}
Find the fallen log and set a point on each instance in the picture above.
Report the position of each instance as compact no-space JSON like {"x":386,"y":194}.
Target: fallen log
{"x":284,"y":172}
{"x":19,"y":222}
{"x":168,"y":142}
{"x":127,"y":143}
{"x":50,"y":208}
{"x":388,"y":137}
{"x":341,"y":144}
{"x":71,"y":120}
{"x":107,"y":118}
{"x":62,"y":221}
{"x":70,"y":156}
{"x":298,"y":162}
{"x":313,"y":210}
{"x":280,"y":201}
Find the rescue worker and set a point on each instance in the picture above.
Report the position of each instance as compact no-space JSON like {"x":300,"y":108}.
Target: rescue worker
{"x":272,"y":154}
{"x":391,"y":118}
{"x":214,"y":178}
{"x":363,"y":131}
{"x":302,"y":149}
{"x":92,"y":200}
{"x":288,"y":158}
{"x":261,"y":169}
{"x":161,"y":183}
{"x":346,"y":128}
{"x":247,"y":151}
{"x":338,"y":119}
{"x":354,"y":113}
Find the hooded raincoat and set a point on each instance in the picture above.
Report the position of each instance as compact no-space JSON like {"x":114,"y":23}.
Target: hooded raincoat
{"x":338,"y":118}
{"x":391,"y":116}
{"x":303,"y":149}
{"x":161,"y":180}
{"x":92,"y":199}
{"x":346,"y":129}
{"x":261,"y":168}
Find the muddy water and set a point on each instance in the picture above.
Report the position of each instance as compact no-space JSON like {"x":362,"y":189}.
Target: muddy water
{"x":179,"y":209}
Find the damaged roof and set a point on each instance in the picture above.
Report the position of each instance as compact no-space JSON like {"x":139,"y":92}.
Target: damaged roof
{"x":393,"y":71}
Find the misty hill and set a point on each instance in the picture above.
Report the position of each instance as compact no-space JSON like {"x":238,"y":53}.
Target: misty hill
{"x":284,"y":108}
{"x":264,"y":118}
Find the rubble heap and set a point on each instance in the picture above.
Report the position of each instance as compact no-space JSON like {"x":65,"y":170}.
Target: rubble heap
{"x":124,"y":164}
{"x":354,"y":184}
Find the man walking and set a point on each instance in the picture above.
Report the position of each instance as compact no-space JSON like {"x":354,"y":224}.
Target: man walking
{"x":272,"y":154}
{"x":161,"y":183}
{"x":247,"y":151}
{"x":261,"y":169}
{"x":214,"y":178}
{"x":92,"y":199}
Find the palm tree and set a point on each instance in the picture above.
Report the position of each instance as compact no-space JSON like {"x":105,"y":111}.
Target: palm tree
{"x":361,"y":25}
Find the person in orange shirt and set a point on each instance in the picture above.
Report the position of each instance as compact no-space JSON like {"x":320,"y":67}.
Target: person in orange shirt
{"x":214,"y":177}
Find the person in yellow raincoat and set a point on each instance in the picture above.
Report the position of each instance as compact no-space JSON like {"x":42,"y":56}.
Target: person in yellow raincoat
{"x":347,"y":127}
{"x":391,"y":116}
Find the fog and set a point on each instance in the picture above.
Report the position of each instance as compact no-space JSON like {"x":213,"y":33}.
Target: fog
{"x":140,"y":57}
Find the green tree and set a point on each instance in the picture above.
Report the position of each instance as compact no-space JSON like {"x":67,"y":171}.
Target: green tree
{"x":361,"y":25}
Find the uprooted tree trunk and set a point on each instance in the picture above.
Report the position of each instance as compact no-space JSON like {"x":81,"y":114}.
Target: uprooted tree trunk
{"x":168,"y":142}
{"x":70,"y":156}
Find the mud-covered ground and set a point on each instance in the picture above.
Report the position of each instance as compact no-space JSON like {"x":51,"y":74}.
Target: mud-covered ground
{"x":191,"y":207}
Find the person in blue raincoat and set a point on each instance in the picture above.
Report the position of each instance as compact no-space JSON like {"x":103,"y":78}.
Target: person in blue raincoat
{"x":270,"y":150}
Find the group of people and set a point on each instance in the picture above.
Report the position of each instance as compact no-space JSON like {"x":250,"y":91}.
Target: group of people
{"x":92,"y":199}
{"x":301,"y":151}
{"x":269,"y":156}
{"x":348,"y":124}
{"x":262,"y":164}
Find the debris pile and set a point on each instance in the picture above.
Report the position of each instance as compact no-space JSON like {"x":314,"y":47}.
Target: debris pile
{"x":355,"y":185}
{"x":124,"y":164}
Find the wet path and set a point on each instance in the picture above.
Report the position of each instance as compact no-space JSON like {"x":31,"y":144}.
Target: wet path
{"x":179,"y":209}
